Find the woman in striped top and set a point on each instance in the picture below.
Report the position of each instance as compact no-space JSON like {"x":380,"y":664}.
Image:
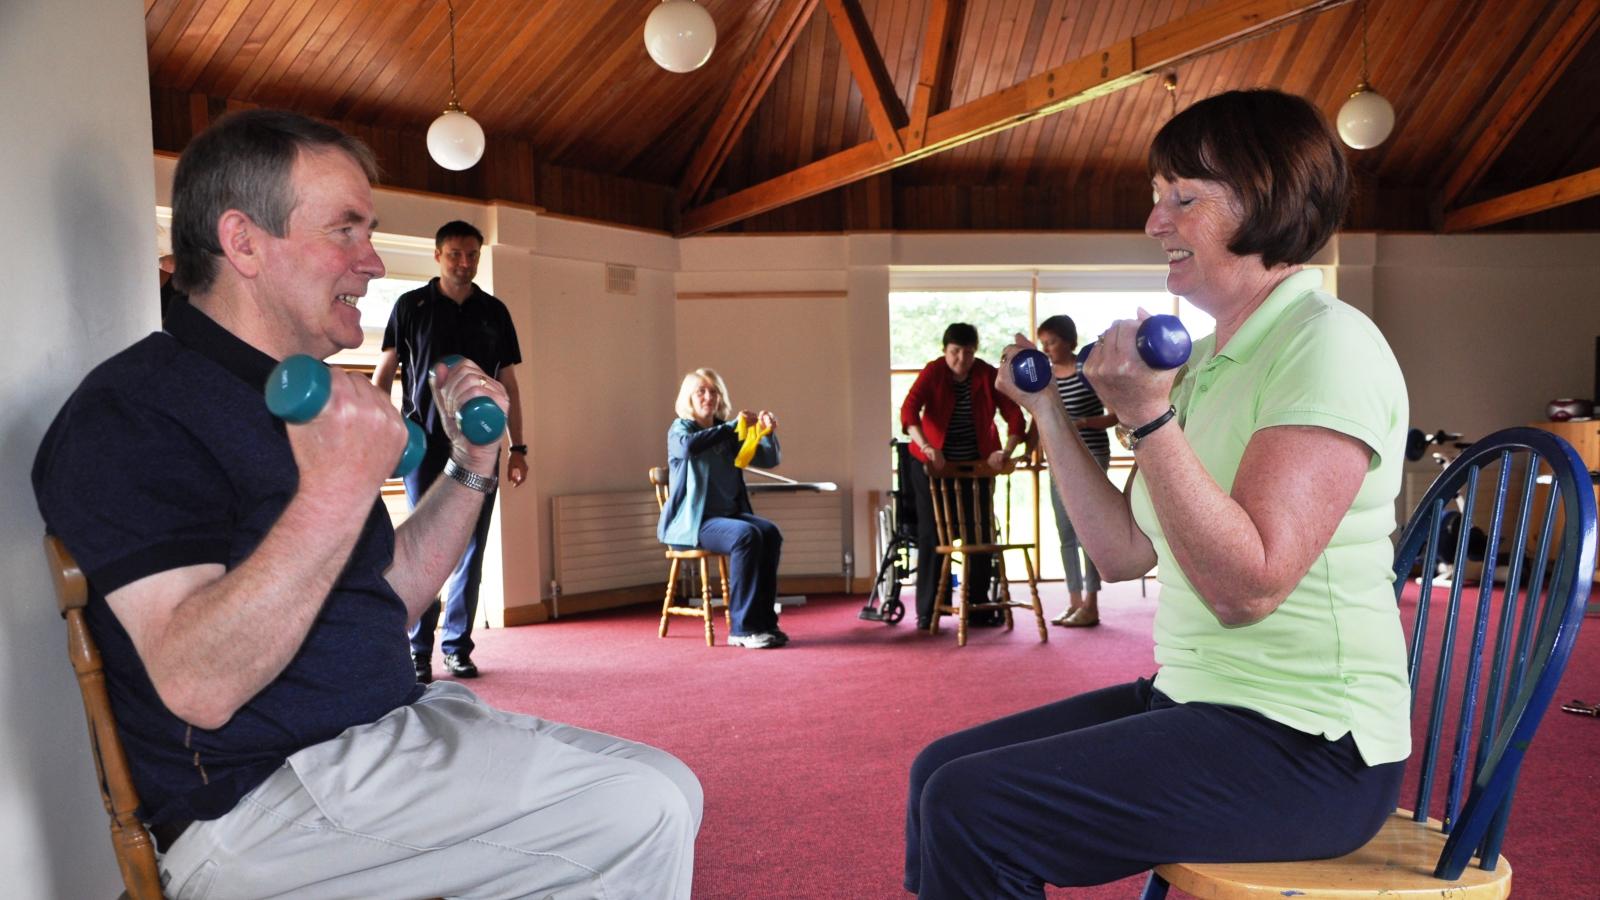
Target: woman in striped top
{"x":1058,"y":338}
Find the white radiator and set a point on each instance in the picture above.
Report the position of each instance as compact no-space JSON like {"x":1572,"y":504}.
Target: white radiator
{"x":813,"y":529}
{"x":608,"y":541}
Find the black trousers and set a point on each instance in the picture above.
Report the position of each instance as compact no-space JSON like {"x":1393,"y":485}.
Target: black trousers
{"x":975,"y":502}
{"x":1116,"y":781}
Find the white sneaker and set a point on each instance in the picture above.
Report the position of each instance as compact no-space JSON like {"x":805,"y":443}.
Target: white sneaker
{"x":761,"y":640}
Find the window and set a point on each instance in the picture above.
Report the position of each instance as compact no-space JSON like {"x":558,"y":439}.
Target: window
{"x":917,"y":320}
{"x":1000,"y":304}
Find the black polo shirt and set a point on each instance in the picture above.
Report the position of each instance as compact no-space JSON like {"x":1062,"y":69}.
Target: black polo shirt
{"x":164,"y":457}
{"x":425,"y":326}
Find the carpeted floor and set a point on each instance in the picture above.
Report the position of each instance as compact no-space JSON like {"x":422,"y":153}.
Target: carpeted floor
{"x":803,"y":751}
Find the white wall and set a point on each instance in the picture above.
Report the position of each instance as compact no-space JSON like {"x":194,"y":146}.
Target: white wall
{"x":1489,"y":328}
{"x":601,"y":366}
{"x":80,"y":284}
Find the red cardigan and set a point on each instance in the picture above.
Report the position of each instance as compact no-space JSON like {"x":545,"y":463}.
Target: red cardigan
{"x":932,"y":399}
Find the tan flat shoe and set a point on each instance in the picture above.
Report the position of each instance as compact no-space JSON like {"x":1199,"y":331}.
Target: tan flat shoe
{"x":1066,"y":615}
{"x":1080,"y":618}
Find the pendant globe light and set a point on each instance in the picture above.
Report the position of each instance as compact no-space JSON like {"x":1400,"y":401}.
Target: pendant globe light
{"x":455,"y":139}
{"x":680,"y":35}
{"x":1366,"y":119}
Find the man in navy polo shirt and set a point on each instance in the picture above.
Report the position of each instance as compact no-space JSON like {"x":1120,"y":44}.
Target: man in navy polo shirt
{"x":250,"y":597}
{"x":452,"y":316}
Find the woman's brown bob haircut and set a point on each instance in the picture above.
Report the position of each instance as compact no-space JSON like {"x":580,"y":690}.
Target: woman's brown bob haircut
{"x":1277,"y":155}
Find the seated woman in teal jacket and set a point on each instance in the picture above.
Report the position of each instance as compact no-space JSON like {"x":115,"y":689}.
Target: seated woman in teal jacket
{"x":708,"y":507}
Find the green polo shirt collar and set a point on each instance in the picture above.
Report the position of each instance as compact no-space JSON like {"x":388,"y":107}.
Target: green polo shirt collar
{"x":1248,"y":338}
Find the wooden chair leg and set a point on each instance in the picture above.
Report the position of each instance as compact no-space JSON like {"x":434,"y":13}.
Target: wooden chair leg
{"x":938,"y":593}
{"x":705,"y":603}
{"x":672,"y":586}
{"x":727,"y":594}
{"x":1033,"y":588}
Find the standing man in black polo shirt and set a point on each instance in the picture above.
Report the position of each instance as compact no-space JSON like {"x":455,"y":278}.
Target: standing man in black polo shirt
{"x":248,"y":593}
{"x":452,"y":316}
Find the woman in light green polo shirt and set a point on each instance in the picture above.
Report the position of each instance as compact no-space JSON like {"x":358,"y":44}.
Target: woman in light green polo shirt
{"x":1277,"y":723}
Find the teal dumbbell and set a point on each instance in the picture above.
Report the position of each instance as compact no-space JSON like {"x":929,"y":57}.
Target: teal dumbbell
{"x":480,"y":419}
{"x":298,"y":389}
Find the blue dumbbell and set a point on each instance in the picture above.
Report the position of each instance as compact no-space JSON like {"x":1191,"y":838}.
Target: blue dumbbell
{"x":1031,"y":370}
{"x":299,"y":387}
{"x":1162,"y":342}
{"x":480,"y":419}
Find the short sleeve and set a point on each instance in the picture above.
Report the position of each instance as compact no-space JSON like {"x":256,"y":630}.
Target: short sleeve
{"x":1334,"y":372}
{"x":391,"y":331}
{"x":130,"y":491}
{"x":510,"y":350}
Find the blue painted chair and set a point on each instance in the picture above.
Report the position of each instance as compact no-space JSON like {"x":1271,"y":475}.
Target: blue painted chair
{"x":1494,"y":666}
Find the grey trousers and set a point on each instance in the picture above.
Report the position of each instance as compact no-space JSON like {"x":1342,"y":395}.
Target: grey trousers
{"x":1082,"y":576}
{"x":449,"y":797}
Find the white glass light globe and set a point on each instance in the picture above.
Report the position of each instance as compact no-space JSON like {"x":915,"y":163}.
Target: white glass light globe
{"x":1366,"y":119}
{"x":455,"y":140}
{"x":680,"y":35}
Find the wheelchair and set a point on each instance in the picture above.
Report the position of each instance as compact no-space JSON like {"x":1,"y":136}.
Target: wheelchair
{"x":897,"y":526}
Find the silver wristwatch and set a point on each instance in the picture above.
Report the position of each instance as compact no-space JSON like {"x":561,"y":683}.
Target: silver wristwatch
{"x":483,"y":484}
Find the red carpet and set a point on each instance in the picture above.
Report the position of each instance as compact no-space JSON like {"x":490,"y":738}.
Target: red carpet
{"x":803,"y":751}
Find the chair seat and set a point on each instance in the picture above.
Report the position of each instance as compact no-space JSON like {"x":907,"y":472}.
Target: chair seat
{"x":980,"y":548}
{"x":693,"y":553}
{"x":1397,"y":863}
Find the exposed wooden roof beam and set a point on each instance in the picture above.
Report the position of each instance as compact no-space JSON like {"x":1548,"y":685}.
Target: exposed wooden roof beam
{"x":1107,"y":71}
{"x":1509,"y":116}
{"x":789,"y":18}
{"x":884,"y":108}
{"x":1526,"y":202}
{"x":939,"y":44}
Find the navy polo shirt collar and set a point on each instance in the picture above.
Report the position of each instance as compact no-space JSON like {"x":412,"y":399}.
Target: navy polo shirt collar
{"x":200,"y":333}
{"x":473,"y":297}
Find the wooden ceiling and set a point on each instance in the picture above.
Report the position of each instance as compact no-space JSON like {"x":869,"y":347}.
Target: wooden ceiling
{"x":821,"y":115}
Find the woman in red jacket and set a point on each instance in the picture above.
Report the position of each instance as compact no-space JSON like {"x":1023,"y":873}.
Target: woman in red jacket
{"x":949,"y":416}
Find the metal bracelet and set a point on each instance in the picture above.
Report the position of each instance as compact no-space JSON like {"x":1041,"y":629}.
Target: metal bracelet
{"x":483,"y":484}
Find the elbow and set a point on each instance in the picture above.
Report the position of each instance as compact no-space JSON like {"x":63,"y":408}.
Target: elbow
{"x":1116,"y":572}
{"x":197,"y":706}
{"x":1245,"y":608}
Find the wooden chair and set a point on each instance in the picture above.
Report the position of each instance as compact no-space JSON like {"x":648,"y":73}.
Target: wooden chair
{"x":956,"y":489}
{"x":1494,"y":666}
{"x":136,"y":856}
{"x":658,"y":481}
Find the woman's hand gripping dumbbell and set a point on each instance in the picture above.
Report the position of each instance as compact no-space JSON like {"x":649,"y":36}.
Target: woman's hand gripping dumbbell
{"x":300,"y":387}
{"x":1133,"y":367}
{"x":1161,"y":340}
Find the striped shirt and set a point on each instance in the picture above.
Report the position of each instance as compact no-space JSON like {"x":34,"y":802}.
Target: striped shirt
{"x":1082,"y":402}
{"x":961,"y":436}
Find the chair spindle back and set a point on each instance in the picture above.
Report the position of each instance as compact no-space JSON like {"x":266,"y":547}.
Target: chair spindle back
{"x":1535,"y":495}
